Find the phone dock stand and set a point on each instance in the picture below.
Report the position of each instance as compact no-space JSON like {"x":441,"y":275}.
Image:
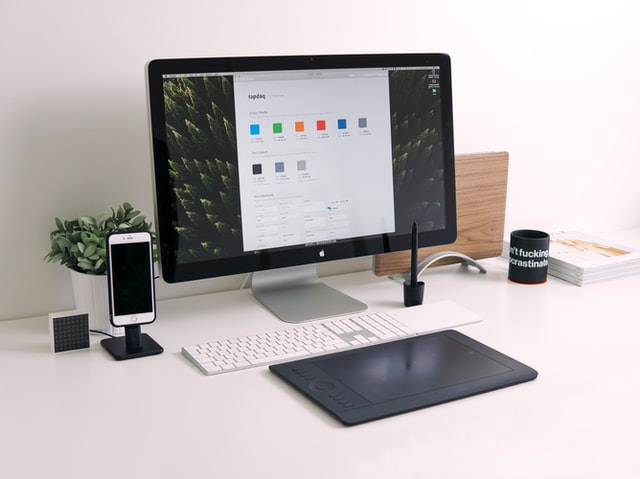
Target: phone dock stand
{"x":134,"y":344}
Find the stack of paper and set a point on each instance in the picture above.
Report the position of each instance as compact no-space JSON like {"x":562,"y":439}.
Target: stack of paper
{"x":583,"y":259}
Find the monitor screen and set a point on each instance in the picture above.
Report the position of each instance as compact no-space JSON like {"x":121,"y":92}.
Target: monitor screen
{"x":272,"y":162}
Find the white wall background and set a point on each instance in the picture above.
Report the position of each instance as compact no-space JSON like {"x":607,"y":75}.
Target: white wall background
{"x":555,"y":83}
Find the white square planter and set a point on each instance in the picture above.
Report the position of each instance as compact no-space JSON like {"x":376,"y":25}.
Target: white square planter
{"x":91,"y":294}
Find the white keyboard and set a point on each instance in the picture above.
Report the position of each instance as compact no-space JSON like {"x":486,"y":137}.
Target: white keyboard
{"x":306,"y":340}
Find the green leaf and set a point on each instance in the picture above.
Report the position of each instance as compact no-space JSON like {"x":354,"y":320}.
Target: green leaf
{"x":63,"y":243}
{"x":87,"y":221}
{"x":85,"y":264}
{"x":99,"y":264}
{"x":90,"y":250}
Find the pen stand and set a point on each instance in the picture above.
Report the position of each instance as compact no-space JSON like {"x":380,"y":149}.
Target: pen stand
{"x":413,"y":294}
{"x":134,"y":344}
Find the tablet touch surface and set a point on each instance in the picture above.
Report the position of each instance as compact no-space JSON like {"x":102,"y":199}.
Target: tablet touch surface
{"x":384,"y":379}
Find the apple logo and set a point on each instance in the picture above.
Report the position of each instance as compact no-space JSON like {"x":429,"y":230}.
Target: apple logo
{"x":321,"y":253}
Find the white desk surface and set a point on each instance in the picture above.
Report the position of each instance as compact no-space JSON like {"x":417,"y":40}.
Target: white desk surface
{"x":82,"y":414}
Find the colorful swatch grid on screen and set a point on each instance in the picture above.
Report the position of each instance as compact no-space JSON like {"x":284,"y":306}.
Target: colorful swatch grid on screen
{"x":279,"y":128}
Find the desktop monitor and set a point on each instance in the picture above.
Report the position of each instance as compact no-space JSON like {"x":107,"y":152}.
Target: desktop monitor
{"x":271,"y":165}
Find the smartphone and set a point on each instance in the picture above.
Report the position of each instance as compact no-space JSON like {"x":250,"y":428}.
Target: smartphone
{"x":131,"y":281}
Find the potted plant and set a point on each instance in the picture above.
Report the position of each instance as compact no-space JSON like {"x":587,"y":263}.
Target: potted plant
{"x":80,"y":245}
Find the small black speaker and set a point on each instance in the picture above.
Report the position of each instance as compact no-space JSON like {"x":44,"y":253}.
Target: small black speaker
{"x":69,"y":330}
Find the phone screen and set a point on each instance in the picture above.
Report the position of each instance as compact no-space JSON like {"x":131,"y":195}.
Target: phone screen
{"x":131,"y":278}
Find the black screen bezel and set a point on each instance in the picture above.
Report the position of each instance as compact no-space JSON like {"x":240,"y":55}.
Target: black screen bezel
{"x":173,"y":271}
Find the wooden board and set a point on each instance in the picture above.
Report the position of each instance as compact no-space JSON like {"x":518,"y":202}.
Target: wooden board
{"x":481,"y":194}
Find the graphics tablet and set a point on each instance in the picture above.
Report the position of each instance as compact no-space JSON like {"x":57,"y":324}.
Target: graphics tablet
{"x":385,"y":379}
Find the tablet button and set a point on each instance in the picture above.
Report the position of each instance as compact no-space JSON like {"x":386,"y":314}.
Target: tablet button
{"x":303,"y":374}
{"x":340,"y":399}
{"x":322,"y":386}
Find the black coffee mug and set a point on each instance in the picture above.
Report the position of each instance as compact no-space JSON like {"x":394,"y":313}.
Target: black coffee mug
{"x":528,"y":256}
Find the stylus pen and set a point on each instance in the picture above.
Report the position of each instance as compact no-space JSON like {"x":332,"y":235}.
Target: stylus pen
{"x":414,"y":255}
